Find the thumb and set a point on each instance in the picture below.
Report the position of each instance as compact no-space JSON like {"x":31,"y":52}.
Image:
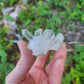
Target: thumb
{"x":26,"y":54}
{"x":24,"y":64}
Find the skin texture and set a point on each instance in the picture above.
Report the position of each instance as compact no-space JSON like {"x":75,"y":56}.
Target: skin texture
{"x":29,"y":72}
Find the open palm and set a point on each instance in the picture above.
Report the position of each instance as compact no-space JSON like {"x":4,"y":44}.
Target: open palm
{"x":29,"y":72}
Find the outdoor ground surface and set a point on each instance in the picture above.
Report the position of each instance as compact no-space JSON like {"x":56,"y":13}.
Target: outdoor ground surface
{"x":66,"y":16}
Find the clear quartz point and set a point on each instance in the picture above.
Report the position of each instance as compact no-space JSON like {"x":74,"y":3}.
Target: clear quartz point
{"x":27,"y":34}
{"x":38,"y":33}
{"x":40,"y":43}
{"x":48,"y":34}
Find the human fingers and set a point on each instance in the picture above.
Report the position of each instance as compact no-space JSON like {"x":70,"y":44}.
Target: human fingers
{"x":37,"y":69}
{"x":41,"y":60}
{"x":56,"y":72}
{"x":24,"y":64}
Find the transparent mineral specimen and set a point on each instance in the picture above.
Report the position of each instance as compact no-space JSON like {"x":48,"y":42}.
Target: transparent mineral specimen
{"x":40,"y":43}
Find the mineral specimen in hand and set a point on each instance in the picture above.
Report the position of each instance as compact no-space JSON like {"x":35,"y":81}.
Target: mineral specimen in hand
{"x":41,"y":42}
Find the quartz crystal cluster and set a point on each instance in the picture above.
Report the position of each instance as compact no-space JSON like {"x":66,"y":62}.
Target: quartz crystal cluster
{"x":41,"y":42}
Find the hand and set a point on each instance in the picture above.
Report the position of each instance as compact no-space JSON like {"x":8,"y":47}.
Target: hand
{"x":28,"y":72}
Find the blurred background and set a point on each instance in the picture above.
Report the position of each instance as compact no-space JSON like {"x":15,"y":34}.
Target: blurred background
{"x":66,"y":16}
